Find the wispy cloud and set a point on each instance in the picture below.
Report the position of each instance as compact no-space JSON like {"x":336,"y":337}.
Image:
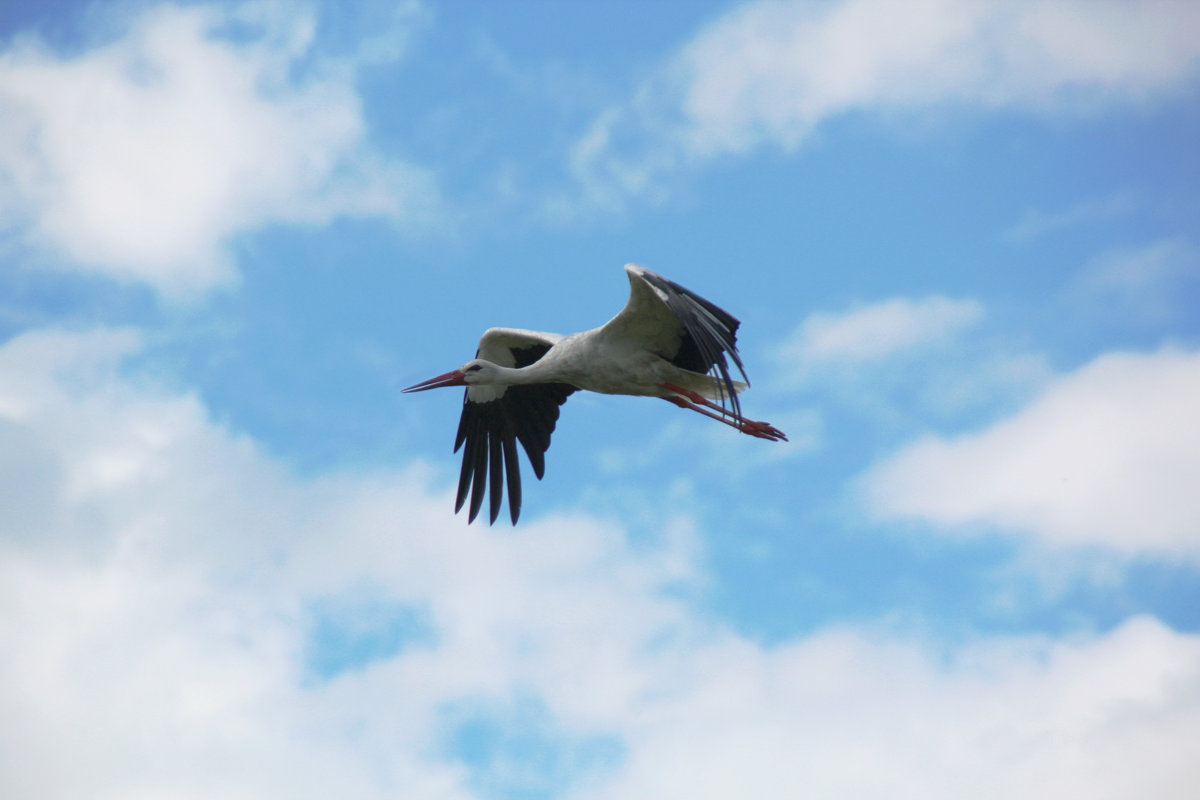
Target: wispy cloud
{"x":769,"y":73}
{"x":873,"y":333}
{"x":718,"y":448}
{"x":162,"y":580}
{"x":1107,"y":456}
{"x":905,"y":362}
{"x":142,"y":158}
{"x":1148,"y":282}
{"x":1036,"y":223}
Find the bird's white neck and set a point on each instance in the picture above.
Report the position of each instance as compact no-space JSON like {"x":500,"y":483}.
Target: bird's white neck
{"x":516,"y":376}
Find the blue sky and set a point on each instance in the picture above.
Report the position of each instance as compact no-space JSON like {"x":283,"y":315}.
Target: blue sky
{"x":962,"y":238}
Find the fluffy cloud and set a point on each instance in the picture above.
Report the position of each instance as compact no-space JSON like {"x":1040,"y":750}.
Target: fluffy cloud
{"x":142,"y":157}
{"x":843,"y":714}
{"x":771,"y":72}
{"x":1108,"y":455}
{"x":164,"y":585}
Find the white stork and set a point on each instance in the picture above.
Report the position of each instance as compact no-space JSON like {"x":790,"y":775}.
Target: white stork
{"x":667,"y":342}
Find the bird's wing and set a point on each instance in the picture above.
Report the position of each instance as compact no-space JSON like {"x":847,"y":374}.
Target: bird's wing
{"x":513,"y":347}
{"x":495,"y":418}
{"x":682,"y":327}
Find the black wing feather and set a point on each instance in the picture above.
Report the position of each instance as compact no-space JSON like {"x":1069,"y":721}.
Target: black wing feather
{"x":490,"y":431}
{"x":479,"y":457}
{"x":512,"y":469}
{"x":496,"y":478}
{"x":710,"y":334}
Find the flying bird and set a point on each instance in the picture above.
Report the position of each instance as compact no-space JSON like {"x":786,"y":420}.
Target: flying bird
{"x":667,"y":342}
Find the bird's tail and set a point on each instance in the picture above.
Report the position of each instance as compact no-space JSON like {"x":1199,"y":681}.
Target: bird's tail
{"x":714,"y":389}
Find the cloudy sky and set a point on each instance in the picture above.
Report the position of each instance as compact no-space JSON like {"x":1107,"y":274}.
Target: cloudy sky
{"x":963,"y":237}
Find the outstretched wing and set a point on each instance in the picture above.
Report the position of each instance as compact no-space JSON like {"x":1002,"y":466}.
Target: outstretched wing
{"x":495,"y":418}
{"x":682,"y":327}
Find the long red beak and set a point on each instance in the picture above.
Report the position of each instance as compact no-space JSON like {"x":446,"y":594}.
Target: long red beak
{"x":453,"y":378}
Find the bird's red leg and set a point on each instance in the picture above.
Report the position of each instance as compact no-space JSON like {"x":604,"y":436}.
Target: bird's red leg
{"x":698,"y":398}
{"x":763,"y":430}
{"x":683,"y":403}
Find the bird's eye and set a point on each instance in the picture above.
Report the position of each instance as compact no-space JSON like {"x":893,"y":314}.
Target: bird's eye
{"x":473,"y":368}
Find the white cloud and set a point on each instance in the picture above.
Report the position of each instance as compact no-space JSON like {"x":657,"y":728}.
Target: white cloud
{"x":873,"y":333}
{"x":769,"y":73}
{"x":142,"y":158}
{"x":158,"y":576}
{"x":1107,"y":456}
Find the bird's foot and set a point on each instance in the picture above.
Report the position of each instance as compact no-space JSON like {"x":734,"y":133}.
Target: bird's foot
{"x":763,"y":430}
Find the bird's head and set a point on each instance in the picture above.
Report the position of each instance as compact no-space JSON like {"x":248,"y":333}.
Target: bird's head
{"x":478,"y":370}
{"x":474,"y":371}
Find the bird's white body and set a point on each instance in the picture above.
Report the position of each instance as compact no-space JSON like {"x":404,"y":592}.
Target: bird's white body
{"x":591,"y":361}
{"x":666,"y":342}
